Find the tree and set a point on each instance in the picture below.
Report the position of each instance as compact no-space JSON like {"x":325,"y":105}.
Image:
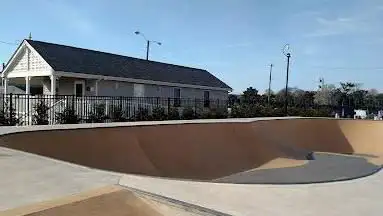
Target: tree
{"x":324,"y":96}
{"x":347,"y":90}
{"x":233,"y":99}
{"x":358,"y":98}
{"x":280,"y":96}
{"x":349,"y":87}
{"x":250,"y":96}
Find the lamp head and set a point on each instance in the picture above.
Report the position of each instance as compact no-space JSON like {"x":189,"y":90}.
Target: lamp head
{"x":286,"y":50}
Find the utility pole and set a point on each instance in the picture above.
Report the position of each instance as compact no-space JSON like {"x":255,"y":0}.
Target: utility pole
{"x":268,"y":93}
{"x":286,"y":52}
{"x":288,"y":55}
{"x":147,"y":49}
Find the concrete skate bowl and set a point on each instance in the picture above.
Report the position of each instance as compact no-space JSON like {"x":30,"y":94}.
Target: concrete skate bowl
{"x":259,"y":151}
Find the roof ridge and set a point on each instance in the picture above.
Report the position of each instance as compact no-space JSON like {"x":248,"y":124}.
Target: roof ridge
{"x":109,"y":53}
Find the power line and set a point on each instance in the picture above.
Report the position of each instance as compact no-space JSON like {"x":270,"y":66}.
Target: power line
{"x":348,"y":68}
{"x":8,"y":43}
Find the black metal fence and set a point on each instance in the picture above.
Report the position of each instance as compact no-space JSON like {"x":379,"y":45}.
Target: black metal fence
{"x":22,"y":109}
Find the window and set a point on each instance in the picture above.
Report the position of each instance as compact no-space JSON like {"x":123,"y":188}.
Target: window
{"x":177,"y":97}
{"x":206,"y":99}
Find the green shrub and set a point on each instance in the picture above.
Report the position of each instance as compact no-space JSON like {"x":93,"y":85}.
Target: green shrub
{"x":117,"y":114}
{"x":158,"y":114}
{"x":221,"y":113}
{"x":294,"y":111}
{"x":8,"y":117}
{"x":188,"y":113}
{"x":98,"y":114}
{"x":206,"y":114}
{"x":41,"y":116}
{"x":173,"y":114}
{"x":68,"y":116}
{"x":254,"y":110}
{"x":142,"y":114}
{"x":215,"y":113}
{"x":239,"y":111}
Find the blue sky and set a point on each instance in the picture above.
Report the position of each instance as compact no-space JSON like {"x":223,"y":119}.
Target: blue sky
{"x":236,"y":40}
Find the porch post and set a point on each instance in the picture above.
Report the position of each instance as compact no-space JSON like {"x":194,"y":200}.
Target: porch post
{"x":28,"y":85}
{"x":96,"y":87}
{"x":5,"y":85}
{"x":53,"y":85}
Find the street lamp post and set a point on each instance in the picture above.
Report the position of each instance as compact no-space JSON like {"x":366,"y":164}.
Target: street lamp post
{"x":147,"y":43}
{"x":286,"y":52}
{"x":268,"y":93}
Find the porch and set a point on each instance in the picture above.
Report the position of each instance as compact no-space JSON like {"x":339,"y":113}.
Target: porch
{"x":52,"y":85}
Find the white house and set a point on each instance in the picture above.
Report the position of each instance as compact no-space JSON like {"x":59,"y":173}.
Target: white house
{"x":53,"y":69}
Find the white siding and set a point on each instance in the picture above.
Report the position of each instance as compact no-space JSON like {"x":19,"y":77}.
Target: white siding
{"x":66,"y":86}
{"x":114,"y":88}
{"x":168,"y":91}
{"x":27,"y":61}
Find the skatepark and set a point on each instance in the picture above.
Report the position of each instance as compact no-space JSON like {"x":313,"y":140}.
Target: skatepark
{"x":197,"y":167}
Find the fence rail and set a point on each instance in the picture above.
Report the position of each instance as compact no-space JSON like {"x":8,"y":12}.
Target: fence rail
{"x":27,"y":109}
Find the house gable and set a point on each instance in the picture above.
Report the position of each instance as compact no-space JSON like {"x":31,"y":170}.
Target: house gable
{"x":26,"y":62}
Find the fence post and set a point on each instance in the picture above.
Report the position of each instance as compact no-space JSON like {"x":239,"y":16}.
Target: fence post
{"x":195,"y":107}
{"x":73,"y":99}
{"x":3,"y":101}
{"x":10,"y":109}
{"x":29,"y":110}
{"x":168,"y":104}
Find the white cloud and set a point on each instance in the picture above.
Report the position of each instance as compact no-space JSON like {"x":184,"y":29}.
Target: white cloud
{"x":336,"y":26}
{"x":365,"y":20}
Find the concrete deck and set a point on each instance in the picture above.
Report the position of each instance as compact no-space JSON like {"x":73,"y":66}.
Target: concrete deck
{"x":357,"y":197}
{"x":27,"y":178}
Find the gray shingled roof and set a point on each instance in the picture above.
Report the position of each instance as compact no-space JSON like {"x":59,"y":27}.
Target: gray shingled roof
{"x":72,"y":59}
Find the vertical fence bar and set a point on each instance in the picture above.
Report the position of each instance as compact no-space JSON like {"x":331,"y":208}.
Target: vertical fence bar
{"x":168,"y":105}
{"x":10,"y":109}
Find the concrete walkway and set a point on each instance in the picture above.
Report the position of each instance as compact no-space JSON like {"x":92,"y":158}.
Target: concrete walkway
{"x":357,"y":197}
{"x":27,"y":178}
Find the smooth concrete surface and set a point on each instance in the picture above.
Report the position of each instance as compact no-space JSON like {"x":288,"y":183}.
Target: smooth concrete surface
{"x":27,"y":178}
{"x":201,"y":151}
{"x":36,"y":185}
{"x":362,"y":196}
{"x":110,"y":200}
{"x":324,"y":168}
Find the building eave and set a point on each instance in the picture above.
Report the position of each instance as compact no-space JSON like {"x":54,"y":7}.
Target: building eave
{"x":124,"y":79}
